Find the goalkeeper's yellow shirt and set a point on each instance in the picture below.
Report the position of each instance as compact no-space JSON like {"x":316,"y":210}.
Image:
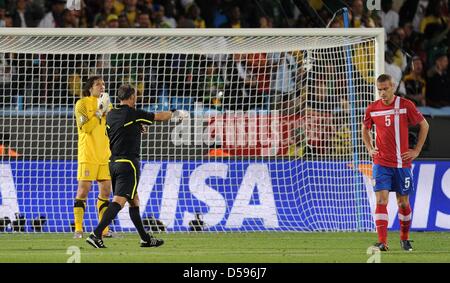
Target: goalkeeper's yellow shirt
{"x":93,"y":142}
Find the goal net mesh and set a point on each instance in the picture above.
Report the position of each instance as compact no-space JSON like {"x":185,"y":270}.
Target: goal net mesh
{"x":272,"y":143}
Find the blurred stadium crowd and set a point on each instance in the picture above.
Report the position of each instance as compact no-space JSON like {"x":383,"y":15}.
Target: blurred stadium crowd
{"x":417,"y":40}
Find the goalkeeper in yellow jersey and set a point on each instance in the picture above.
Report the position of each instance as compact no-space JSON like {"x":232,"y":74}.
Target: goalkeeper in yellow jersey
{"x":93,"y":150}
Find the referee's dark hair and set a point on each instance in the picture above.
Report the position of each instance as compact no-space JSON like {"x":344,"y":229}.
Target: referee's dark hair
{"x":88,"y":85}
{"x":125,"y":91}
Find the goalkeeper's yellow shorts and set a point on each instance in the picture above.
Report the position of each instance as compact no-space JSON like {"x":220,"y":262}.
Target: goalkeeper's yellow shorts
{"x":92,"y":172}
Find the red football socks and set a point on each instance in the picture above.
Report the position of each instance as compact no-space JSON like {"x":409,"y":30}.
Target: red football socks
{"x":404,"y":215}
{"x":381,"y":221}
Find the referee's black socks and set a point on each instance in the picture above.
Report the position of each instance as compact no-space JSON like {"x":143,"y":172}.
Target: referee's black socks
{"x":137,"y":221}
{"x":110,"y":213}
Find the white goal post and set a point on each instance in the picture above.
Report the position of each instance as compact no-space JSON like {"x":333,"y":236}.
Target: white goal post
{"x":273,"y":142}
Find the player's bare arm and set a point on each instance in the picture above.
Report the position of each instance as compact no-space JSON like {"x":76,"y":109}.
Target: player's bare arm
{"x":412,"y":154}
{"x":367,"y":139}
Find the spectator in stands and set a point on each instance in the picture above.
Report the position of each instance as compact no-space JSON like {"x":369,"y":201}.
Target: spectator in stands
{"x":212,"y":12}
{"x":436,"y":38}
{"x":145,"y":6}
{"x":83,"y":19}
{"x":119,"y":6}
{"x":171,"y":12}
{"x":368,"y":22}
{"x":18,"y":14}
{"x":377,"y":20}
{"x":258,"y":86}
{"x":70,"y":19}
{"x":193,"y":13}
{"x":434,"y":14}
{"x":2,"y":16}
{"x":186,"y":3}
{"x":401,"y":35}
{"x":90,"y":10}
{"x":112,"y":21}
{"x":234,"y":19}
{"x":123,"y":21}
{"x":235,"y":80}
{"x":106,"y":10}
{"x":5,"y":18}
{"x":213,"y":86}
{"x":357,"y":13}
{"x":438,"y":84}
{"x":26,"y":14}
{"x":184,"y":22}
{"x":100,"y":21}
{"x":265,"y":22}
{"x":415,"y":84}
{"x":413,"y":11}
{"x":131,"y":11}
{"x":8,"y":20}
{"x":412,"y":41}
{"x":160,"y":20}
{"x":144,"y":21}
{"x":54,"y":18}
{"x":319,"y":92}
{"x":395,"y":45}
{"x":283,"y":68}
{"x":281,"y":12}
{"x":389,"y":18}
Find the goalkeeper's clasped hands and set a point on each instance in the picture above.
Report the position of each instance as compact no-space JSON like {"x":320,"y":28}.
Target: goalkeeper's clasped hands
{"x":103,"y":105}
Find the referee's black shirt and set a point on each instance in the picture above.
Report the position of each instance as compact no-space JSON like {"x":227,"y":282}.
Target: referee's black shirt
{"x":124,"y":132}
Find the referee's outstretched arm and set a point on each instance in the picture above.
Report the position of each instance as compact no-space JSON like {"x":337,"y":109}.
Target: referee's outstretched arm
{"x":128,"y":96}
{"x":163,"y":116}
{"x":174,"y":116}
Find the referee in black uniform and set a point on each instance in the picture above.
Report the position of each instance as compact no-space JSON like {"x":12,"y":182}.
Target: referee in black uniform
{"x":124,"y":125}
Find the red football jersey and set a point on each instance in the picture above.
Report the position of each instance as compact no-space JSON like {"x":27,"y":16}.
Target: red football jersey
{"x":392,"y":123}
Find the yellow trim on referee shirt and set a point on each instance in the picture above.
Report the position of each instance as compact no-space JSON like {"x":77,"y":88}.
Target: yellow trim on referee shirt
{"x":143,"y":120}
{"x":134,"y":169}
{"x":129,"y":123}
{"x":108,"y":126}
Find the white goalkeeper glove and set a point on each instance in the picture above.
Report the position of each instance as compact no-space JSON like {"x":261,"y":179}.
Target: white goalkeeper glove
{"x":103,"y":103}
{"x":179,"y":115}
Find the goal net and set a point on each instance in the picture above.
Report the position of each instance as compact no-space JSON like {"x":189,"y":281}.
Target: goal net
{"x":273,"y":140}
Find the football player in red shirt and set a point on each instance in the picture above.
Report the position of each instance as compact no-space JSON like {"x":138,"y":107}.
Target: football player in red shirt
{"x":392,"y":156}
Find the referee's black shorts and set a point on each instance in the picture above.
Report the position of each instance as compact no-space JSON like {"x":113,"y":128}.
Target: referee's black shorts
{"x":125,"y":175}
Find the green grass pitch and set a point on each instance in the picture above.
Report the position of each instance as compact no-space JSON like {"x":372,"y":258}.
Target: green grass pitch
{"x":258,"y":247}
